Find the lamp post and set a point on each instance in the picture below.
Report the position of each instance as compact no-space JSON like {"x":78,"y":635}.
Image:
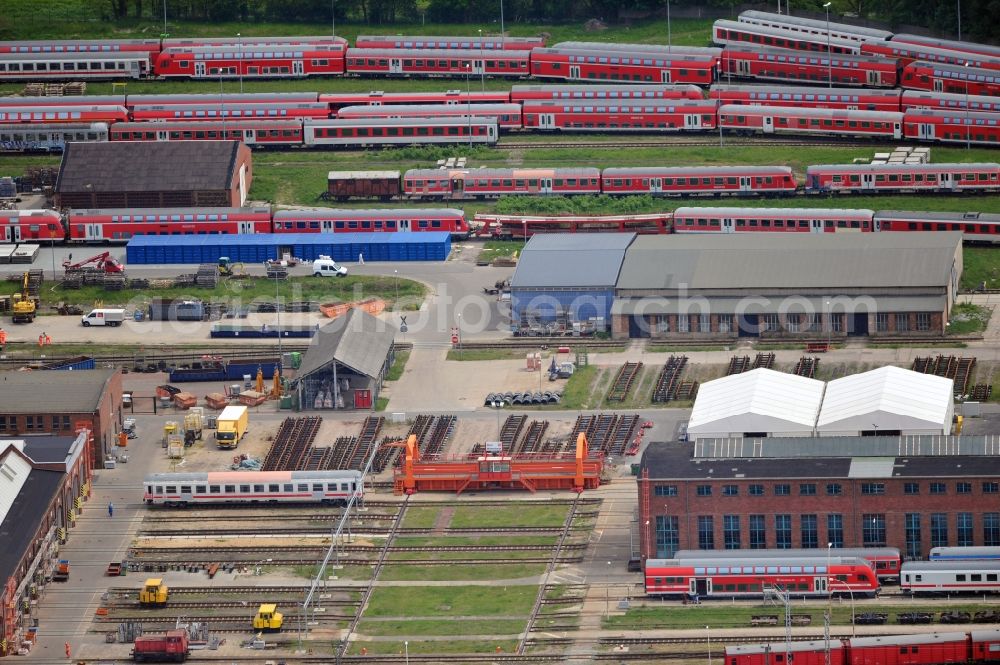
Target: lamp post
{"x":406,"y":650}
{"x":829,"y":54}
{"x":829,"y":324}
{"x":669,"y":40}
{"x":396,"y":276}
{"x":968,"y":126}
{"x":498,"y":404}
{"x":468,"y":99}
{"x":333,"y":20}
{"x":524,"y":230}
{"x":277,"y":310}
{"x":607,"y":593}
{"x":482,"y":64}
{"x":502,"y":33}
{"x":239,"y":42}
{"x":829,"y":609}
{"x":165,"y":20}
{"x":958,"y":10}
{"x":708,"y":644}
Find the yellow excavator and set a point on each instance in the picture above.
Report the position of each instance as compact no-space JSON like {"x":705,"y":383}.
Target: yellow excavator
{"x":24,"y":306}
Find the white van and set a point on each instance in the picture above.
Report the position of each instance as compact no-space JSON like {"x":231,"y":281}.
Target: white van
{"x":324,"y":266}
{"x":104,"y":317}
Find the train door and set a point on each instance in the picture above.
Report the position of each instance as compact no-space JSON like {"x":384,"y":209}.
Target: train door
{"x":946,"y":181}
{"x":298,"y":68}
{"x":938,"y":85}
{"x":664,"y":76}
{"x":692,"y":121}
{"x":743,"y":68}
{"x":546,"y":185}
{"x":656,"y":185}
{"x":727,"y":224}
{"x":249,"y":137}
{"x":327,"y":226}
{"x":404,"y":225}
{"x":574,"y":72}
{"x":13,"y":234}
{"x":767,"y":124}
{"x":546,"y":121}
{"x":458,"y":186}
{"x":819,"y":584}
{"x":199,"y":70}
{"x":897,"y":131}
{"x":94,"y":233}
{"x":867,"y":181}
{"x":395,"y":66}
{"x":161,"y":135}
{"x":134,"y":71}
{"x":477,"y":67}
{"x":925,"y":131}
{"x":874,"y":78}
{"x":246,"y":227}
{"x":491,"y":133}
{"x":816,"y":226}
{"x":745,"y":185}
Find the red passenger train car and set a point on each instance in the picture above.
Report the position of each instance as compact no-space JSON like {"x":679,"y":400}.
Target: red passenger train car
{"x":571,"y":63}
{"x":377,"y":132}
{"x":525,"y":226}
{"x":916,"y":99}
{"x":279,"y":61}
{"x":872,"y":178}
{"x":437,"y":62}
{"x":604,"y":92}
{"x":810,"y":121}
{"x":699,"y":180}
{"x":256,"y":133}
{"x":338,"y":100}
{"x":227,"y":99}
{"x":907,"y":53}
{"x":854,"y":99}
{"x":949,"y":45}
{"x":628,"y":116}
{"x":216,"y":111}
{"x":63,"y":101}
{"x":292,"y":40}
{"x":106,"y":226}
{"x":449,"y":43}
{"x":771,"y":220}
{"x":952,"y":126}
{"x":46,"y":115}
{"x":730,"y":33}
{"x":746,"y":578}
{"x":976,"y":227}
{"x":950,"y":78}
{"x":25,"y":225}
{"x":508,"y":115}
{"x":492,"y":183}
{"x":333,"y":220}
{"x":794,"y":66}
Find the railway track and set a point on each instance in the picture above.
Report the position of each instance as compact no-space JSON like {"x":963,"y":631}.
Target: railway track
{"x":729,"y":141}
{"x":375,"y":531}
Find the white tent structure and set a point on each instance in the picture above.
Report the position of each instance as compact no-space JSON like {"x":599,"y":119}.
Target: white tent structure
{"x":760,"y":402}
{"x":888,"y":400}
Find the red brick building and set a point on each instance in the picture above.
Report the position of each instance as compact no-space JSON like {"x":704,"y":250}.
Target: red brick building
{"x":57,"y":403}
{"x":913,"y":502}
{"x":43,"y":482}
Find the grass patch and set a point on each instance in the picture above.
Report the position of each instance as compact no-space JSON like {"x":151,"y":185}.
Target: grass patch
{"x":667,"y":348}
{"x":425,"y":627}
{"x":470,"y":516}
{"x":420,"y":517}
{"x":345,"y":573}
{"x":460,"y":554}
{"x":432,"y":647}
{"x":728,"y":616}
{"x":980,"y":267}
{"x":486,"y":354}
{"x":381,"y":404}
{"x":967,"y":319}
{"x":398,"y":365}
{"x":577,"y":393}
{"x":435,"y":541}
{"x":461,"y":572}
{"x":455,"y":600}
{"x":493,"y":249}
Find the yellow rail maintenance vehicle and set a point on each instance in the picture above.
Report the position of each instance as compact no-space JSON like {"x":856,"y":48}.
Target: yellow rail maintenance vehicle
{"x":268,"y":619}
{"x":153,"y":593}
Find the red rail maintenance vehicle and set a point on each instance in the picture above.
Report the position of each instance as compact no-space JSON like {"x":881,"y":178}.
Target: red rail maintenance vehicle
{"x":809,"y":121}
{"x":279,"y":61}
{"x":765,"y":64}
{"x":730,"y":33}
{"x":950,"y":78}
{"x":256,"y":133}
{"x":334,"y":220}
{"x":604,"y":92}
{"x":771,"y":220}
{"x":437,"y":62}
{"x":952,"y":126}
{"x":449,"y":43}
{"x":508,"y":116}
{"x":699,"y":180}
{"x":872,"y":178}
{"x":626,"y":116}
{"x":493,"y":183}
{"x":173,"y":646}
{"x":640,"y":65}
{"x":854,"y":99}
{"x":120,"y":225}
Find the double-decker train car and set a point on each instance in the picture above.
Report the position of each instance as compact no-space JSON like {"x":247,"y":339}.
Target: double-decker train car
{"x":333,"y":220}
{"x":62,"y":114}
{"x":976,"y":227}
{"x":626,"y":116}
{"x":603,"y":92}
{"x":749,"y":119}
{"x":119,"y":225}
{"x":810,"y":26}
{"x":699,"y":180}
{"x":74,"y":66}
{"x":80,"y":46}
{"x":255,"y":133}
{"x":374,"y":132}
{"x":451,"y":43}
{"x":917,"y":99}
{"x":338,"y":100}
{"x":227,"y":99}
{"x":967,"y":553}
{"x":292,"y":40}
{"x":872,"y":178}
{"x":766,"y":64}
{"x":853,"y":99}
{"x":510,"y":227}
{"x":746,"y":578}
{"x":950,"y":78}
{"x":207,"y":110}
{"x":886,"y":561}
{"x":492,"y":183}
{"x":771,"y":220}
{"x":254,"y":61}
{"x":943,"y":126}
{"x":907,"y":53}
{"x":937,"y":577}
{"x":638,"y":64}
{"x":62,"y":101}
{"x":508,"y":116}
{"x":437,"y":62}
{"x":947,"y":44}
{"x":49,"y":138}
{"x":25,"y":225}
{"x":729,"y":33}
{"x":248,"y":487}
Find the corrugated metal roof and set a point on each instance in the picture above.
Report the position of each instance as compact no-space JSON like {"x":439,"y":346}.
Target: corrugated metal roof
{"x":359,"y":341}
{"x":925,"y":445}
{"x":888,"y":397}
{"x":53,"y":392}
{"x":784,"y":402}
{"x":747,"y":306}
{"x":571,"y":261}
{"x":871,"y":467}
{"x":779,"y":260}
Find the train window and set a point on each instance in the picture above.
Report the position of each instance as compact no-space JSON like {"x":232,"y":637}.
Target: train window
{"x":215,"y":489}
{"x":171,"y":489}
{"x":159,"y":489}
{"x":317,"y":487}
{"x":273,"y":487}
{"x":959,"y":577}
{"x":258,"y":488}
{"x":200,"y":489}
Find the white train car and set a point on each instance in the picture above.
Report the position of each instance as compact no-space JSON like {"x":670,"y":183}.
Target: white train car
{"x":249,"y":487}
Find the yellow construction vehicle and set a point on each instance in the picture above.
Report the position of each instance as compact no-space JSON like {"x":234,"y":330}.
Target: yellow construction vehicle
{"x":24,"y":306}
{"x":230,"y":268}
{"x":154,"y":593}
{"x":268,"y":619}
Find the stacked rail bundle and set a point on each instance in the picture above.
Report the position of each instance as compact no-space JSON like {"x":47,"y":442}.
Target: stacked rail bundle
{"x":962,"y":375}
{"x":957,"y":369}
{"x":319,"y":459}
{"x":292,"y":444}
{"x":369,"y":432}
{"x":624,"y":430}
{"x":532,"y":439}
{"x":765,"y":360}
{"x":386,"y":455}
{"x":343,"y":450}
{"x":806,"y":367}
{"x":669,"y":379}
{"x":584,"y":425}
{"x":439,"y":435}
{"x":552,"y":446}
{"x":421,"y":425}
{"x":510,"y":433}
{"x":622,"y":384}
{"x":688,"y":390}
{"x":981,"y":392}
{"x":738,"y":365}
{"x":604,"y":425}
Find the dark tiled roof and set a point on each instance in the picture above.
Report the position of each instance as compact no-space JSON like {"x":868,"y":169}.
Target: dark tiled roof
{"x":139,"y":166}
{"x":78,"y":391}
{"x":359,"y":341}
{"x":48,"y":449}
{"x":24,"y":516}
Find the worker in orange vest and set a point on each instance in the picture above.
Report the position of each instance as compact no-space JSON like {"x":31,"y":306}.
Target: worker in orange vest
{"x":3,"y":340}
{"x":41,"y":340}
{"x":48,"y":340}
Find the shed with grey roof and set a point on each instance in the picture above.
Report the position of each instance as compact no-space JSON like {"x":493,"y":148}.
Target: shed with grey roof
{"x":567,"y":280}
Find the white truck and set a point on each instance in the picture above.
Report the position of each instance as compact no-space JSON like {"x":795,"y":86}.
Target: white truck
{"x":104,"y":317}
